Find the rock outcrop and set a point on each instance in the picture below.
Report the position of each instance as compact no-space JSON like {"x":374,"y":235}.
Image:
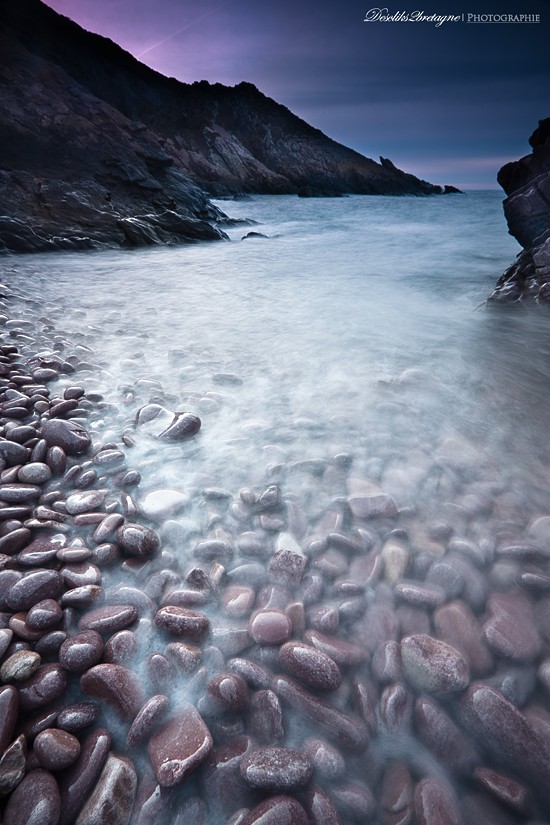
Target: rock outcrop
{"x":98,"y":149}
{"x":527,"y":209}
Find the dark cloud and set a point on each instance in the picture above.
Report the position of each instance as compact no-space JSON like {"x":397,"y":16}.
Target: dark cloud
{"x":459,"y":94}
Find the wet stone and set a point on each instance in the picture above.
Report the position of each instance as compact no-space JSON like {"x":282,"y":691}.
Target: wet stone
{"x":121,"y":647}
{"x":432,"y":665}
{"x":148,"y":718}
{"x":70,"y":436}
{"x":119,"y":687}
{"x":277,"y":810}
{"x":378,"y":504}
{"x":48,"y":645}
{"x":396,"y":795}
{"x":270,"y":627}
{"x":15,"y":540}
{"x":310,"y":665}
{"x":238,"y":600}
{"x":84,"y":502}
{"x":265,"y":717}
{"x":179,"y":746}
{"x":19,"y":493}
{"x":395,"y":710}
{"x":41,"y":550}
{"x":186,"y":657}
{"x":34,"y":473}
{"x":436,"y":804}
{"x":420,"y":595}
{"x":506,"y":790}
{"x":36,"y":796}
{"x":276,"y":770}
{"x":34,"y":587}
{"x":112,"y":799}
{"x":13,"y":765}
{"x":319,"y":807}
{"x":457,"y":626}
{"x":20,"y":666}
{"x":354,"y":801}
{"x":13,"y":453}
{"x":328,"y":763}
{"x":77,"y":717}
{"x":221,"y":781}
{"x":227,"y":692}
{"x":109,"y":619}
{"x":137,"y":540}
{"x":182,"y":622}
{"x":445,"y":740}
{"x":254,"y":675}
{"x":81,"y":596}
{"x":56,"y":749}
{"x":161,"y":504}
{"x":345,"y":654}
{"x":511,"y":630}
{"x":82,"y":651}
{"x":346,"y":730}
{"x":44,"y":615}
{"x":79,"y":575}
{"x":287,"y":567}
{"x":46,"y":685}
{"x":80,"y":778}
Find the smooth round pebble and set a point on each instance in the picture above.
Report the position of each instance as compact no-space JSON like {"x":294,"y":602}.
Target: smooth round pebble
{"x":56,"y":749}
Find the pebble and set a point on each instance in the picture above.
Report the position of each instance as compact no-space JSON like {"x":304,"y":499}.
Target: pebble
{"x":270,"y":627}
{"x":115,"y":685}
{"x":276,"y":810}
{"x":77,"y":717}
{"x":511,"y":629}
{"x":431,"y":665}
{"x":227,"y":692}
{"x":182,"y":622}
{"x":311,"y":666}
{"x":13,"y":765}
{"x":397,"y":795}
{"x":147,"y":719}
{"x":112,"y":799}
{"x":276,"y":770}
{"x":346,"y":730}
{"x":109,"y":619}
{"x":20,"y":666}
{"x":56,"y":749}
{"x":35,"y":800}
{"x":161,"y":504}
{"x":47,"y":684}
{"x":71,"y":437}
{"x":435,"y":803}
{"x":77,"y":782}
{"x":44,"y":615}
{"x":84,"y":502}
{"x":34,"y":473}
{"x":137,"y":540}
{"x":81,"y":651}
{"x":445,"y":739}
{"x":179,"y":746}
{"x":34,"y":587}
{"x":328,"y":763}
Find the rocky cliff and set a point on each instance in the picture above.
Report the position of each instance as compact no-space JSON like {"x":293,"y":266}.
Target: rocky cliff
{"x":100,"y":149}
{"x":526,"y":183}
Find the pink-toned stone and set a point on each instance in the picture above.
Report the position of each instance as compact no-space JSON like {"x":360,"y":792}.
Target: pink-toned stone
{"x":431,"y":665}
{"x":179,"y":746}
{"x":270,"y":627}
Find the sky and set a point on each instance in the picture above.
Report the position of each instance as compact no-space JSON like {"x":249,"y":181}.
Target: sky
{"x":450,"y":103}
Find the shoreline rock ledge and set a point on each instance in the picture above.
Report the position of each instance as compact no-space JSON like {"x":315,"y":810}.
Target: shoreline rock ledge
{"x":526,"y":183}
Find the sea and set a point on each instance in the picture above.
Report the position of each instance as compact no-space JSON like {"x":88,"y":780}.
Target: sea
{"x":331,"y":348}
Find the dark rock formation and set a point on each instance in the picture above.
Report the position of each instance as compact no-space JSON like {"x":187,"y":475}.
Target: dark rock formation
{"x":527,"y":209}
{"x":98,"y":149}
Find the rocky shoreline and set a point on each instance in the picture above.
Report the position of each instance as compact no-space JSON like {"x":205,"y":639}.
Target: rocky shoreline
{"x":526,"y":183}
{"x":271,"y":670}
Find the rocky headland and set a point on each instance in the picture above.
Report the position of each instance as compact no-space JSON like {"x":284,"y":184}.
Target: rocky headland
{"x":99,"y":150}
{"x":526,"y":183}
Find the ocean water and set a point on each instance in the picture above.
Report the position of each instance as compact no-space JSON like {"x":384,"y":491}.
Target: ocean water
{"x":349,"y":350}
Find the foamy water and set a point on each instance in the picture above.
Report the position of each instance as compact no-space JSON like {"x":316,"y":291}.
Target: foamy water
{"x":354,"y":328}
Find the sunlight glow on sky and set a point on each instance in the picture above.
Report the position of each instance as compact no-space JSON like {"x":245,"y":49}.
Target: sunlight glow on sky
{"x":449,"y":103}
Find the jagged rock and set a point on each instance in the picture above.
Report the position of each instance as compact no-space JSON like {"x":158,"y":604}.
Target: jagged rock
{"x":527,"y":209}
{"x":130,"y":153}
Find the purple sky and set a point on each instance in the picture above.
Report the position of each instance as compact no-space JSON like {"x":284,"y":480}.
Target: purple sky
{"x":449,"y":103}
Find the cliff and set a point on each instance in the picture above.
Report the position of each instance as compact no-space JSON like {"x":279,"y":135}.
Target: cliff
{"x":100,"y":149}
{"x":526,"y":183}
